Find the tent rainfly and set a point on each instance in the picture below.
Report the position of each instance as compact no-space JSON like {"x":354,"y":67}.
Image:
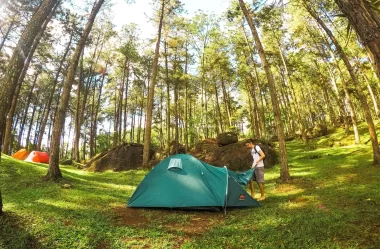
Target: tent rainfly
{"x":22,"y":154}
{"x":38,"y":157}
{"x":182,"y":181}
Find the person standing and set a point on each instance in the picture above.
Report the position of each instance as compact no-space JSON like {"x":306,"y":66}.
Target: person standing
{"x":258,"y":164}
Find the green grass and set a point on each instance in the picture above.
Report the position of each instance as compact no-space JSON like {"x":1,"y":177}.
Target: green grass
{"x":332,"y":201}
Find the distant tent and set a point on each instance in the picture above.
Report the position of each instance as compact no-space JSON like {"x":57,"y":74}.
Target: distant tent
{"x":21,"y":154}
{"x":38,"y":157}
{"x":182,"y":181}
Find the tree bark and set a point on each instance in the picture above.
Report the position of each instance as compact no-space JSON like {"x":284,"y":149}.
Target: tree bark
{"x":17,"y":60}
{"x":365,"y":20}
{"x":54,"y":172}
{"x":48,"y":107}
{"x":284,"y":172}
{"x":31,"y":122}
{"x":6,"y":34}
{"x":30,"y":95}
{"x":167,"y":98}
{"x":186,"y":133}
{"x":77,"y":114}
{"x":149,"y":109}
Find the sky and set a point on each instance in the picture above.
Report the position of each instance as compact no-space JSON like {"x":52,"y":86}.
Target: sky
{"x":141,"y":10}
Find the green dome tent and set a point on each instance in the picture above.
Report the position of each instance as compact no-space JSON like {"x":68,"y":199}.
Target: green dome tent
{"x":182,"y":181}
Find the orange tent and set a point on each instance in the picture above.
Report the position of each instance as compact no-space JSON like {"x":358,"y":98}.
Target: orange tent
{"x":38,"y":157}
{"x":21,"y":154}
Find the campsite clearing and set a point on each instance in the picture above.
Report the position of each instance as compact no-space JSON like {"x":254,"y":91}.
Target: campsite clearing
{"x":331,"y":202}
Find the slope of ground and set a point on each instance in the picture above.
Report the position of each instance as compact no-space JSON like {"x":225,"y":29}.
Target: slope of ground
{"x":332,"y":201}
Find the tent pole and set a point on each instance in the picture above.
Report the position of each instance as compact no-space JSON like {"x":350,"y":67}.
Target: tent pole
{"x":225,"y":202}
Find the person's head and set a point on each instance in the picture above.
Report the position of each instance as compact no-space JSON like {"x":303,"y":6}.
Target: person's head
{"x":251,"y":143}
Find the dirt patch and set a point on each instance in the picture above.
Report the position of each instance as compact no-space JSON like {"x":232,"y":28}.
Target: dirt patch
{"x":191,"y":223}
{"x":196,"y":225}
{"x":103,"y":245}
{"x":129,"y":217}
{"x":285,"y":188}
{"x":136,"y":242}
{"x":299,"y":199}
{"x":187,"y":223}
{"x":322,"y":207}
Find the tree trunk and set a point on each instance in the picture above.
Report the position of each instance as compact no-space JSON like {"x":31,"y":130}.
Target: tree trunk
{"x":81,"y":106}
{"x":31,"y":123}
{"x":149,"y":108}
{"x":186,"y":133}
{"x":361,"y":96}
{"x":373,"y":97}
{"x":30,"y":95}
{"x":347,"y":95}
{"x":17,"y":60}
{"x":48,"y":107}
{"x":284,"y":172}
{"x":365,"y":20}
{"x":176,"y":104}
{"x":54,"y":172}
{"x":167,"y":99}
{"x":40,"y":114}
{"x":301,"y":128}
{"x":126,"y":80}
{"x":218,"y":112}
{"x":259,"y":129}
{"x":77,"y":114}
{"x":95,"y":119}
{"x":116,"y":122}
{"x":141,"y":115}
{"x":6,"y":34}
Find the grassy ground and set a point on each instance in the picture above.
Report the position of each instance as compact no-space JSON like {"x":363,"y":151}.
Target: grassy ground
{"x":332,"y":201}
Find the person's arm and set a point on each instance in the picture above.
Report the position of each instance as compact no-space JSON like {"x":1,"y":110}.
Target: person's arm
{"x":262,"y":156}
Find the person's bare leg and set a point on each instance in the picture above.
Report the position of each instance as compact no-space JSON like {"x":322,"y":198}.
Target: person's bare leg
{"x":252,"y":188}
{"x":261,"y":186}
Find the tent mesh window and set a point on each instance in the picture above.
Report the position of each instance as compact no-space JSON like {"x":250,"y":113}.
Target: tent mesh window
{"x":175,"y":163}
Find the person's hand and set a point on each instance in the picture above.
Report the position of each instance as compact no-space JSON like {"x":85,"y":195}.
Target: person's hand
{"x":253,"y":165}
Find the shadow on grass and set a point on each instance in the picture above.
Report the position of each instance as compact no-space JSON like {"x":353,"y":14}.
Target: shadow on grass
{"x":14,"y":235}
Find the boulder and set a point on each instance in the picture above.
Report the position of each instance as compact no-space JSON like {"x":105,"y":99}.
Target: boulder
{"x":66,"y":162}
{"x":181,"y":148}
{"x":226,"y":138}
{"x":340,"y":120}
{"x":124,"y":157}
{"x":235,"y":156}
{"x":318,"y":130}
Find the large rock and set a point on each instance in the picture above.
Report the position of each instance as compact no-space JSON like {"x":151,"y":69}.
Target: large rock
{"x":226,"y":138}
{"x":340,"y":120}
{"x":235,"y":156}
{"x":181,"y":148}
{"x":124,"y":157}
{"x":318,"y":130}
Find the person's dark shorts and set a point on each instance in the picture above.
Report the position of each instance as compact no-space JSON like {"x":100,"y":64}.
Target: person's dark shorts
{"x":258,"y":174}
